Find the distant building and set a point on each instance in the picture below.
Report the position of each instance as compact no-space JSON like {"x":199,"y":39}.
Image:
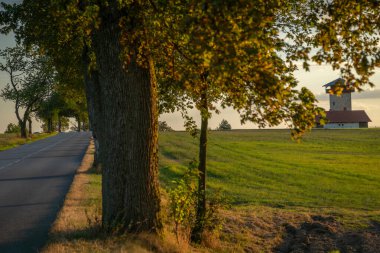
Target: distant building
{"x":342,"y":102}
{"x":341,"y":114}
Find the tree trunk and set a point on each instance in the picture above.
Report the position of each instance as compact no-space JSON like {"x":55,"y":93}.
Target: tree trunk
{"x":79,"y":124}
{"x":128,"y":98}
{"x":22,"y":124}
{"x":93,"y":102}
{"x":196,"y":233}
{"x":30,"y":126}
{"x":49,"y":125}
{"x":59,"y":124}
{"x":21,"y":121}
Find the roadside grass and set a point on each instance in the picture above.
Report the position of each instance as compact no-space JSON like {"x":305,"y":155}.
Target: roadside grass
{"x":78,"y":225}
{"x":8,"y":141}
{"x":272,"y":183}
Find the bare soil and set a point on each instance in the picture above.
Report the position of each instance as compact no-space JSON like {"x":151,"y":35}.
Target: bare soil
{"x":325,"y":234}
{"x":271,"y":230}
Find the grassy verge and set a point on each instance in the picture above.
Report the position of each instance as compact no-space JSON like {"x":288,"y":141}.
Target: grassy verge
{"x":77,"y":227}
{"x":8,"y":141}
{"x":321,"y":194}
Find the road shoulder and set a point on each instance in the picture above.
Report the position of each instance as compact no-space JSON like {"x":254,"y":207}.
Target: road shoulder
{"x":72,"y":217}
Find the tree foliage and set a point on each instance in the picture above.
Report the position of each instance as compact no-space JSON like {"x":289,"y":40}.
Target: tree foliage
{"x":183,"y":200}
{"x":12,"y":129}
{"x":164,"y":127}
{"x":31,"y":79}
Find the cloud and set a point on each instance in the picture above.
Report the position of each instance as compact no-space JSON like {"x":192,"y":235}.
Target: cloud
{"x":367,"y":94}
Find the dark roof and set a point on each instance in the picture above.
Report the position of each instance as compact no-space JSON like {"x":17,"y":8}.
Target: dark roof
{"x":332,"y":83}
{"x":346,"y":117}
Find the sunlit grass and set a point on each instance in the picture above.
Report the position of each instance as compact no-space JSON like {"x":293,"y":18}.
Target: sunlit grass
{"x":8,"y":141}
{"x":329,"y":168}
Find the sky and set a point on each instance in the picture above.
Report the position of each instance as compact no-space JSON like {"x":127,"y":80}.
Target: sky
{"x":369,"y":100}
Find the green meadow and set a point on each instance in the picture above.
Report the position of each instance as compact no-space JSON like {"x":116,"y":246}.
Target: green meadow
{"x":334,"y":169}
{"x":269,"y":180}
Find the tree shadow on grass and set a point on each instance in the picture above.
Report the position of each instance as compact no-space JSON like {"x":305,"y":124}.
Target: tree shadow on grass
{"x":325,"y":234}
{"x":89,"y":233}
{"x":168,"y":174}
{"x":94,"y":238}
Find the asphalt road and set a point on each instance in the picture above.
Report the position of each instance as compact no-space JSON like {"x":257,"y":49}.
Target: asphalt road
{"x":34,"y":179}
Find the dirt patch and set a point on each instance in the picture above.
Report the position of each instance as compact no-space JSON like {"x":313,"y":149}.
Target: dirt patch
{"x":265,"y":229}
{"x":325,"y":234}
{"x":256,"y":230}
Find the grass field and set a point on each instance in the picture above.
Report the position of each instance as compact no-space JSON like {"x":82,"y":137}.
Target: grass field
{"x":328,"y":169}
{"x":326,"y":189}
{"x":8,"y":141}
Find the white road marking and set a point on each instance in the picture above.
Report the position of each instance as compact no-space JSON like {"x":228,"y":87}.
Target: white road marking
{"x":31,"y":154}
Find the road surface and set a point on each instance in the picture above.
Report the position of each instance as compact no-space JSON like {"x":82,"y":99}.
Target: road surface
{"x":34,"y":179}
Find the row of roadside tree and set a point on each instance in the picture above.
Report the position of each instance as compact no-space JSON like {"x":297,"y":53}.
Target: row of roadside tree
{"x":136,"y":59}
{"x":38,"y":92}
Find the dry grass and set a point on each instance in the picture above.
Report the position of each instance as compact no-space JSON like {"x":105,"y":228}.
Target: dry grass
{"x":77,"y":227}
{"x":72,"y":217}
{"x":8,"y":141}
{"x":256,"y":229}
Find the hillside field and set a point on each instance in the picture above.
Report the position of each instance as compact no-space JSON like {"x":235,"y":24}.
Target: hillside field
{"x":329,"y":169}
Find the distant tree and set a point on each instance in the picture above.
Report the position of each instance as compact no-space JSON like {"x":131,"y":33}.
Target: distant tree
{"x":64,"y":102}
{"x":31,"y":78}
{"x":48,"y":112}
{"x":63,"y":124}
{"x":224,"y":125}
{"x":164,"y":127}
{"x":12,"y":129}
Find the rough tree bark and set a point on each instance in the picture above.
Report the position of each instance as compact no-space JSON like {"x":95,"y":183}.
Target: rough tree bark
{"x":128,"y":132}
{"x":92,"y":89}
{"x":23,"y":129}
{"x":196,"y":233}
{"x":21,"y":121}
{"x":30,"y":126}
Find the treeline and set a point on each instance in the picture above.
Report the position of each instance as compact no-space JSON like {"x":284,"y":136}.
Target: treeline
{"x":39,"y":92}
{"x":136,"y":59}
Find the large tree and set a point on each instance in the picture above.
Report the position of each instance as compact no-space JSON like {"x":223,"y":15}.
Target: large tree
{"x":63,"y":103}
{"x":231,"y":60}
{"x":242,"y":54}
{"x":31,"y":78}
{"x":120,"y":78}
{"x":123,"y":41}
